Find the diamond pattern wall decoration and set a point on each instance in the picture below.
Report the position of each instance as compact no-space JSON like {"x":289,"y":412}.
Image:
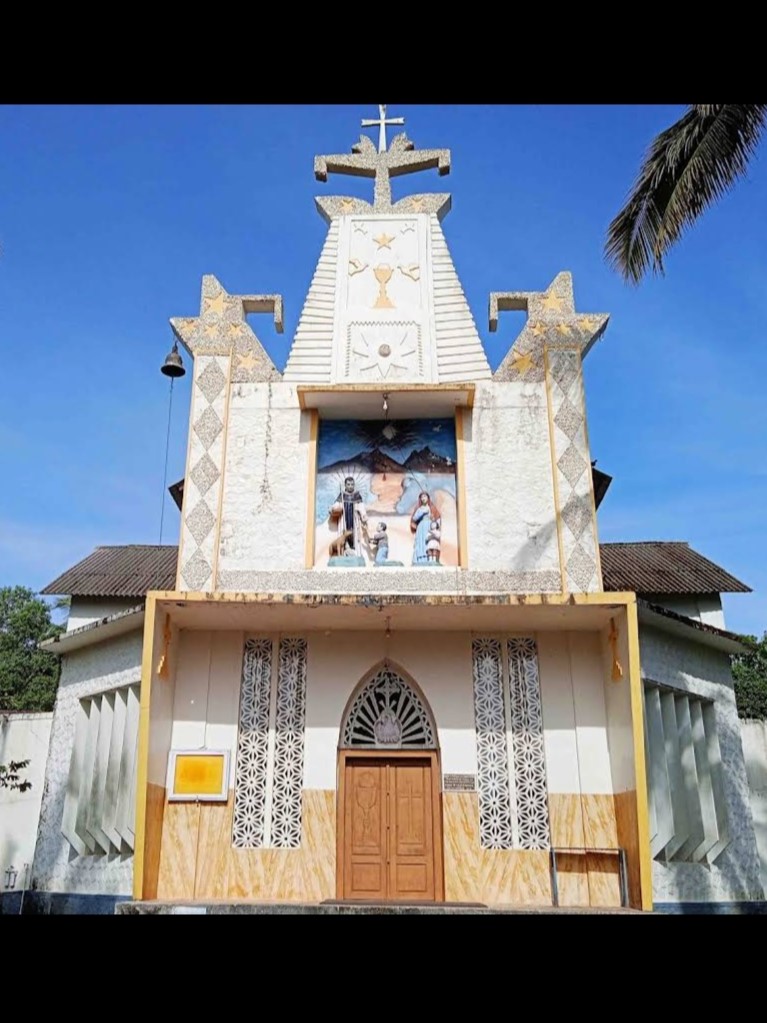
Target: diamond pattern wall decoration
{"x":207,"y":453}
{"x":572,"y":466}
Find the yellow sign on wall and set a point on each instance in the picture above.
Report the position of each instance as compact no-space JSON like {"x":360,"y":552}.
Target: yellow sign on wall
{"x":198,"y":775}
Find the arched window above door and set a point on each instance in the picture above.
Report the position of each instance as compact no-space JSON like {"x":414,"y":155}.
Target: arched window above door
{"x":388,"y":712}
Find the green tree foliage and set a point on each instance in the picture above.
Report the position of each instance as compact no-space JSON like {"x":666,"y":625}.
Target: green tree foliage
{"x":750,"y":674}
{"x":688,"y":168}
{"x":28,"y":676}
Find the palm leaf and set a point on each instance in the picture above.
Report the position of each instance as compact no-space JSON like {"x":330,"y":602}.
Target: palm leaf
{"x":689,"y":166}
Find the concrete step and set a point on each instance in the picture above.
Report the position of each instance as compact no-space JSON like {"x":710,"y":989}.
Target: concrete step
{"x":336,"y":908}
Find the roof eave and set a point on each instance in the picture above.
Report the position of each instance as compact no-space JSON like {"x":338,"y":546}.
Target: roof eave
{"x":114,"y":625}
{"x":680,"y":625}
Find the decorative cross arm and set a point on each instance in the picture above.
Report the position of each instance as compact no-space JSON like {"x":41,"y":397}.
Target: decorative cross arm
{"x":365,"y":161}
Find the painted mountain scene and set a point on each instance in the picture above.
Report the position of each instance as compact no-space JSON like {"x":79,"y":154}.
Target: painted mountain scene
{"x":392,"y":464}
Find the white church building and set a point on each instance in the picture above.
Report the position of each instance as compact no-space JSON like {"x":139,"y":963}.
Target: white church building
{"x":389,"y":661}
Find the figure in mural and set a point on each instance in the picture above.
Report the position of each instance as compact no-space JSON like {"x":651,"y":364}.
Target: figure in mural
{"x":349,"y":517}
{"x":433,"y":541}
{"x":426,"y":523}
{"x":372,"y":471}
{"x":380,"y":543}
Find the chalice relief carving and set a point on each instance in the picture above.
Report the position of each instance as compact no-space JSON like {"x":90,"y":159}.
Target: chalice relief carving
{"x":366,"y":797}
{"x":383,"y":274}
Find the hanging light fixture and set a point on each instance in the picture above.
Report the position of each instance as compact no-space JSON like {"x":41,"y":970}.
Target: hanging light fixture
{"x":388,"y":430}
{"x":174,"y":364}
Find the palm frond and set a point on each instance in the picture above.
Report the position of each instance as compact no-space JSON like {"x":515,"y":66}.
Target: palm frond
{"x":689,"y":167}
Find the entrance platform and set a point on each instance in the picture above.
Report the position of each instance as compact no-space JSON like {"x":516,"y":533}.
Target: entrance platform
{"x":332,"y":908}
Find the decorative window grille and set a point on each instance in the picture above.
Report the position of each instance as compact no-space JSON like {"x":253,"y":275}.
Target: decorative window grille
{"x":99,"y":807}
{"x":495,"y":816}
{"x":289,"y":745}
{"x":688,"y":818}
{"x":388,"y":713}
{"x":527,"y":745}
{"x":248,"y":828}
{"x":270,"y":746}
{"x":511,"y":781}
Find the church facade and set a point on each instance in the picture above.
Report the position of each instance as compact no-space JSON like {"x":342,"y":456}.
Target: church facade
{"x":382,"y":664}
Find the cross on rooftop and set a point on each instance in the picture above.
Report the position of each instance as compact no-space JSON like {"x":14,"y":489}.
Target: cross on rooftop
{"x":382,"y":122}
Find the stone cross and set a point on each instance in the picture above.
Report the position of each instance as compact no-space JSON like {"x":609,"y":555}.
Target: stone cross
{"x":382,"y":122}
{"x":365,"y":161}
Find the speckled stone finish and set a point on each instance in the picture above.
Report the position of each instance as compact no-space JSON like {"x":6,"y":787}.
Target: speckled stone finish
{"x":331,"y":206}
{"x":204,"y":469}
{"x":573,"y":467}
{"x":222,"y":329}
{"x":704,"y":672}
{"x":551,"y":320}
{"x":366,"y":161}
{"x":390,"y":581}
{"x":56,"y":867}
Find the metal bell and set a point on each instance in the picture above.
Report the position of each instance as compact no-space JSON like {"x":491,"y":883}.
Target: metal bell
{"x":174,"y":364}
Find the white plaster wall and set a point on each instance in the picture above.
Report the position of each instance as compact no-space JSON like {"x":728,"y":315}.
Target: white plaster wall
{"x":440,"y":663}
{"x":207,"y":692}
{"x":207,"y":696}
{"x":574,"y":713}
{"x":411,"y":297}
{"x":22,"y":737}
{"x":263,"y":513}
{"x":93,"y":669}
{"x":620,"y":721}
{"x":706,"y":608}
{"x":161,"y":712}
{"x":700,"y":670}
{"x":511,"y":517}
{"x":587,"y":675}
{"x":754,"y":735}
{"x":85,"y":610}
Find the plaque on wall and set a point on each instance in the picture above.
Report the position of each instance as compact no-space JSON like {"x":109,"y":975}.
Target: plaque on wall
{"x":199,"y":776}
{"x":459,"y":783}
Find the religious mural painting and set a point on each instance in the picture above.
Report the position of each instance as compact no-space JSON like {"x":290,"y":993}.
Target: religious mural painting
{"x":386,"y":493}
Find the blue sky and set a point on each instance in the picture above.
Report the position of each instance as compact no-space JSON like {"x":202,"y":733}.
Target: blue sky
{"x":110,"y":215}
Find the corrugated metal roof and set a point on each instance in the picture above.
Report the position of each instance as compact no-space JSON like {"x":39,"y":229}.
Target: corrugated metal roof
{"x":126,"y":571}
{"x":663,"y":566}
{"x":653,"y":566}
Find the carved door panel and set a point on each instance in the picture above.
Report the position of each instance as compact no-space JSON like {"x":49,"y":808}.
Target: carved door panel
{"x":388,"y":830}
{"x":365,"y":834}
{"x":411,"y":831}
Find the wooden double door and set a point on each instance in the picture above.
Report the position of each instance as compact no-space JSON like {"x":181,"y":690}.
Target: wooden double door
{"x":389,"y":841}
